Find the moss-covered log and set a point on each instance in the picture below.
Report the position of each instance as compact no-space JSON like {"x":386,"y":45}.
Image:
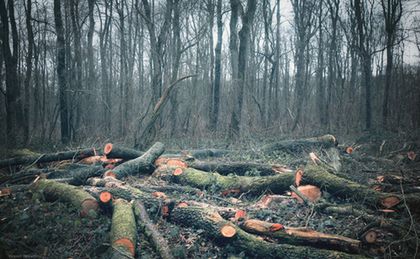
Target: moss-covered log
{"x":299,"y":236}
{"x":140,"y":165}
{"x":123,"y":229}
{"x":320,"y":176}
{"x":238,"y":168}
{"x":211,"y":222}
{"x":204,"y":180}
{"x":76,"y":196}
{"x":51,"y":157}
{"x":301,"y":145}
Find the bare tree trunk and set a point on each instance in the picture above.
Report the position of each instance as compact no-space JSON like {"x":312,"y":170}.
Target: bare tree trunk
{"x":214,"y":114}
{"x":304,"y":20}
{"x":78,"y":80}
{"x":247,"y":20}
{"x":28,"y":75}
{"x":91,"y":82}
{"x":61,"y":65}
{"x":176,"y":58}
{"x":392,"y":11}
{"x":106,"y":95}
{"x":367,"y":62}
{"x":13,"y":107}
{"x":320,"y":73}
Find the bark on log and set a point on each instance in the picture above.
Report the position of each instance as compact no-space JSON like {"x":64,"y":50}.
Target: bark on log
{"x":149,"y":229}
{"x":79,"y":198}
{"x":301,"y":145}
{"x":46,"y":158}
{"x":212,"y":222}
{"x":123,"y":230}
{"x":341,"y":187}
{"x":140,"y":165}
{"x":115,"y":151}
{"x":238,"y":168}
{"x":206,"y":153}
{"x":239,"y":184}
{"x":300,"y":236}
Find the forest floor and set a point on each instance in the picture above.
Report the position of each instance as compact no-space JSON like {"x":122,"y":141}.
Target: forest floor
{"x":33,"y":228}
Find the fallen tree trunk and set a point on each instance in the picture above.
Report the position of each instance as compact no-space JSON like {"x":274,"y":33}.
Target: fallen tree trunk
{"x":79,"y":198}
{"x":215,"y":228}
{"x":301,"y":145}
{"x":115,"y":151}
{"x":226,"y":184}
{"x":123,"y":230}
{"x":320,"y":176}
{"x":238,"y":168}
{"x":46,"y":158}
{"x":149,"y":229}
{"x":301,"y":236}
{"x":140,"y":165}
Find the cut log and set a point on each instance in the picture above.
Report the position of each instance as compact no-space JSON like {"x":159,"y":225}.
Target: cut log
{"x":335,"y":185}
{"x":46,"y":158}
{"x":301,"y":145}
{"x":306,"y":193}
{"x":115,"y":151}
{"x":105,"y":200}
{"x":76,"y":196}
{"x":301,"y":236}
{"x":150,"y":231}
{"x":140,"y":165}
{"x":123,"y":230}
{"x":212,"y":223}
{"x":238,"y":184}
{"x":238,"y":168}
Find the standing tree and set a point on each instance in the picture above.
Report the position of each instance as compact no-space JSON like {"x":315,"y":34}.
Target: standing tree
{"x":61,"y":74}
{"x":392,"y":11}
{"x":304,"y":26}
{"x":238,"y":83}
{"x":13,"y":98}
{"x":365,"y":55}
{"x":214,"y":111}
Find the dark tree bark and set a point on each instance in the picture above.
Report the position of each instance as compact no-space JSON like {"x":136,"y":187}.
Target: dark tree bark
{"x":28,"y":75}
{"x":304,"y":20}
{"x":392,"y":11}
{"x":78,"y":102}
{"x":214,"y":113}
{"x":103,"y":43}
{"x":320,"y":73}
{"x":13,"y":103}
{"x":365,"y":55}
{"x":176,"y":58}
{"x":61,"y":73}
{"x":333,"y":7}
{"x":244,"y":34}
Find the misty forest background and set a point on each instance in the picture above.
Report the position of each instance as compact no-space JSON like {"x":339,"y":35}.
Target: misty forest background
{"x":139,"y":70}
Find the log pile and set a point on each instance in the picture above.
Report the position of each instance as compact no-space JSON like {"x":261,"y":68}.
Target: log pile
{"x":219,"y":196}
